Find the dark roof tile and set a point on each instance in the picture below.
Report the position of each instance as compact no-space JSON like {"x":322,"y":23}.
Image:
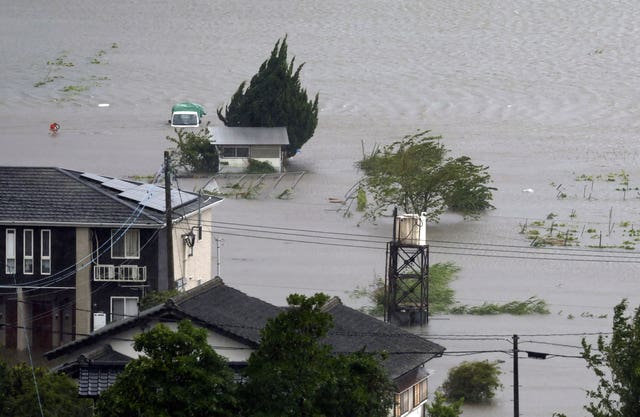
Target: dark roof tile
{"x":56,"y":196}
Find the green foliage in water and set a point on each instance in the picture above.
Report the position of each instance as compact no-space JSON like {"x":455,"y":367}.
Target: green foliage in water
{"x":275,"y":98}
{"x":259,"y":167}
{"x":532,"y":305}
{"x":475,"y":382}
{"x":417,"y":175}
{"x":194,"y":151}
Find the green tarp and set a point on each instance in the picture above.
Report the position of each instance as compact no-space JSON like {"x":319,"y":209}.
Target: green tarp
{"x":189,"y":107}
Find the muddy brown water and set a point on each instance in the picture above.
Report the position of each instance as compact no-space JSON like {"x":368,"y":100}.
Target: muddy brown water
{"x":542,"y":92}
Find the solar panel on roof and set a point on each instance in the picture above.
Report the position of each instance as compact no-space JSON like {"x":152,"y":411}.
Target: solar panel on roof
{"x":119,"y":185}
{"x":95,"y":177}
{"x":152,"y":196}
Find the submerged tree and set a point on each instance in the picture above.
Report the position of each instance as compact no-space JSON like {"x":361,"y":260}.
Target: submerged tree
{"x":416,"y":174}
{"x":275,"y":98}
{"x":616,"y":364}
{"x":441,"y":407}
{"x":474,"y":382}
{"x":194,"y":151}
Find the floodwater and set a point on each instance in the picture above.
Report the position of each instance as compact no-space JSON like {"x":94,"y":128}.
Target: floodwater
{"x":540,"y":91}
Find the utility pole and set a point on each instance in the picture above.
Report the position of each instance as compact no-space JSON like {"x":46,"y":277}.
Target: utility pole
{"x":218,"y":262}
{"x":168,"y":219}
{"x":516,"y":392}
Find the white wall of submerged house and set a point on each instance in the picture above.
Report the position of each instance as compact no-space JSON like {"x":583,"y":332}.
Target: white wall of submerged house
{"x":271,"y":154}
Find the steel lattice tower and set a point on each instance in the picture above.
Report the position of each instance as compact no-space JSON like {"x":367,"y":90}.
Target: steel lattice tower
{"x":407,"y":280}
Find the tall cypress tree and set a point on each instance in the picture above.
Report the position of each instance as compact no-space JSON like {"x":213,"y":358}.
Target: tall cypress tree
{"x":275,"y":98}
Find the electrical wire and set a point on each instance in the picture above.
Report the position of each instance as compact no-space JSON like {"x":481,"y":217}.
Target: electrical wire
{"x":340,"y":239}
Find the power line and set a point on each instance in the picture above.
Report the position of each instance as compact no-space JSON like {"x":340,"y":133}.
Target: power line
{"x":487,"y":253}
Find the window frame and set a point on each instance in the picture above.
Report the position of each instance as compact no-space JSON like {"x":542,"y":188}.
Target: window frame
{"x":45,"y":252}
{"x":235,"y":151}
{"x":27,"y":252}
{"x":420,"y":392}
{"x":125,"y":314}
{"x":123,"y":240}
{"x":10,"y":243}
{"x":404,"y":402}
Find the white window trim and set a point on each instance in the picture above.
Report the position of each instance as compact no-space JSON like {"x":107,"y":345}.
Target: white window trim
{"x":44,"y":257}
{"x":10,"y":243}
{"x":27,"y":252}
{"x":124,"y":237}
{"x":124,"y":298}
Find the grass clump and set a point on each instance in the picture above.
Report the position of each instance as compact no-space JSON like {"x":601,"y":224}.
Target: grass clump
{"x":442,"y":297}
{"x":532,"y":305}
{"x":259,"y":167}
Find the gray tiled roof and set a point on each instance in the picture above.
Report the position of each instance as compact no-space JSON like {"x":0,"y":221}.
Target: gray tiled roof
{"x":240,"y":316}
{"x":227,"y":309}
{"x":96,"y":370}
{"x":56,"y":196}
{"x":354,"y":331}
{"x":95,"y":379}
{"x":237,"y":313}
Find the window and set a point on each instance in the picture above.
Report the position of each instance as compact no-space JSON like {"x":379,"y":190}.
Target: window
{"x":45,"y":252}
{"x":10,"y":252}
{"x":404,"y":402}
{"x":28,"y":252}
{"x":265,"y":152}
{"x":235,"y":152}
{"x":125,"y":246}
{"x":420,"y":392}
{"x":123,"y":307}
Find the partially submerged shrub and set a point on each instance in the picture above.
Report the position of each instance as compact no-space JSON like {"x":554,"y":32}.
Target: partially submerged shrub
{"x":260,"y":167}
{"x":475,"y":382}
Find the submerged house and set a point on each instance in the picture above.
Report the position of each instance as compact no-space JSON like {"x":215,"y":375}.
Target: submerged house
{"x":234,"y":320}
{"x":79,"y":250}
{"x":237,"y":145}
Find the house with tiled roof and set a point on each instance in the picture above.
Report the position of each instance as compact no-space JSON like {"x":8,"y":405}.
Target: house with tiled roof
{"x":234,"y":321}
{"x":78,"y":250}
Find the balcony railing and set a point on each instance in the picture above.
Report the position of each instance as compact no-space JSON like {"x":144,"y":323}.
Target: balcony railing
{"x":120,"y":273}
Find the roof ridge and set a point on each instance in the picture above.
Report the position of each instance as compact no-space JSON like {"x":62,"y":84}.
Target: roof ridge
{"x":331,"y":303}
{"x":198,"y":290}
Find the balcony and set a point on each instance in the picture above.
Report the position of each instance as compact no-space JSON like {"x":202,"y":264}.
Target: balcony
{"x":120,"y":273}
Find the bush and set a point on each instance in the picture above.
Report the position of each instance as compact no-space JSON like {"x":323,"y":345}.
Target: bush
{"x":194,"y":151}
{"x":475,"y":382}
{"x":260,"y":167}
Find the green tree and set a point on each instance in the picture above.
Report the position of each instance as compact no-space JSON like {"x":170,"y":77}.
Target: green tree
{"x":179,"y":375}
{"x":474,"y":382}
{"x":440,"y":407}
{"x":616,"y":364}
{"x":360,"y":387}
{"x":416,"y":174}
{"x":292,"y":374}
{"x":27,"y":392}
{"x":194,"y":151}
{"x":275,"y":98}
